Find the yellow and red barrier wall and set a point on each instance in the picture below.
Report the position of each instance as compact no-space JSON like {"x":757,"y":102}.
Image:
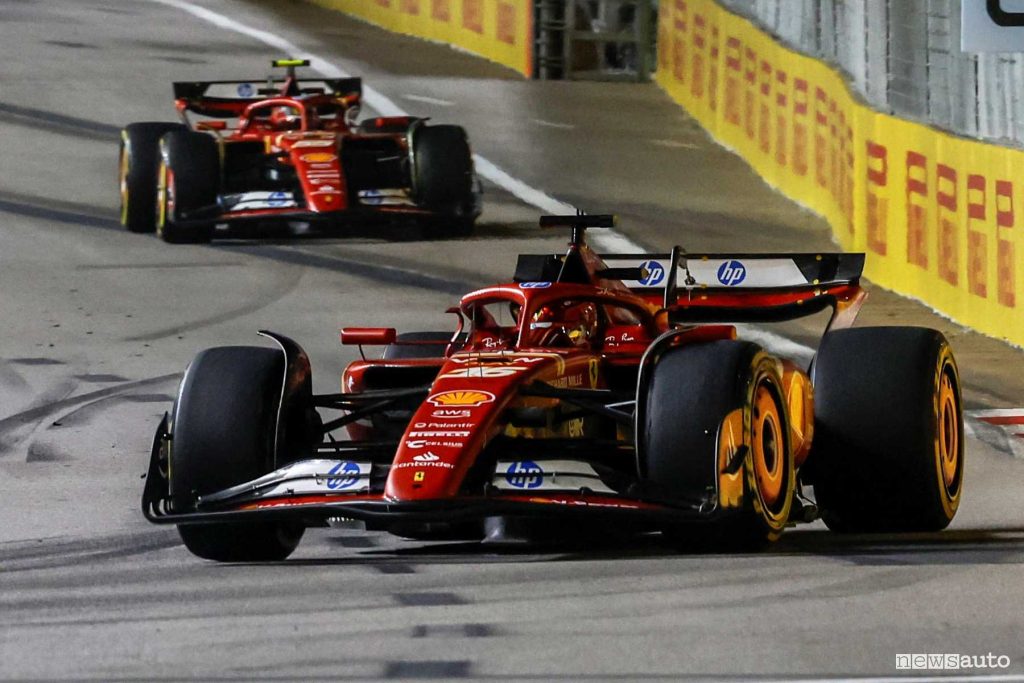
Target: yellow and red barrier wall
{"x":940,"y":217}
{"x":499,"y":30}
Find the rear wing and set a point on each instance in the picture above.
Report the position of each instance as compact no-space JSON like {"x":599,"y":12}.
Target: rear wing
{"x":723,"y":287}
{"x":228,"y":99}
{"x":708,"y":287}
{"x":741,"y":287}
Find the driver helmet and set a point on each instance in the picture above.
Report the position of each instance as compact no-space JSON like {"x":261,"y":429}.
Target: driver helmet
{"x":285,"y":118}
{"x":577,"y":321}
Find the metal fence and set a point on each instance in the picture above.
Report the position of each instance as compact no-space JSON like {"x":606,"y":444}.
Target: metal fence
{"x":903,"y":56}
{"x":594,"y":39}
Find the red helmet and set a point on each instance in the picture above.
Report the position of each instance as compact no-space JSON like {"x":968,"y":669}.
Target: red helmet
{"x":568,"y":322}
{"x":285,"y":118}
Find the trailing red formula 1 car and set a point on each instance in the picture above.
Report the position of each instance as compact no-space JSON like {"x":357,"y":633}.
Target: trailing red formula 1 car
{"x":291,"y":150}
{"x":599,"y":389}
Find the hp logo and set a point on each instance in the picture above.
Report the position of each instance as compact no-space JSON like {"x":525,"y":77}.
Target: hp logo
{"x":732,"y":273}
{"x":348,"y":476}
{"x":655,"y":273}
{"x":524,"y":475}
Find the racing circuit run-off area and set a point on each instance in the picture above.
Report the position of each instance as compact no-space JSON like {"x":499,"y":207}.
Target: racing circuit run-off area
{"x":507,"y":340}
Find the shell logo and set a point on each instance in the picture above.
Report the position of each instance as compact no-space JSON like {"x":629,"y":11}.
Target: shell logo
{"x":461,"y":398}
{"x":318,"y":157}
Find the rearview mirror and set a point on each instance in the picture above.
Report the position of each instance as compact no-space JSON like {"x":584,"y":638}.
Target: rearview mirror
{"x":367,"y":336}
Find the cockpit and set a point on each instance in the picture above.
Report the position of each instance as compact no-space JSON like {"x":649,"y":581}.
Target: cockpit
{"x":509,"y":319}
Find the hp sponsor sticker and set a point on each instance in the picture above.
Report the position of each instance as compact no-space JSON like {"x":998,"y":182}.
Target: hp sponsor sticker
{"x":245,"y":90}
{"x":732,"y":273}
{"x":346,"y":475}
{"x":525,"y":474}
{"x":655,"y":273}
{"x":277,"y":199}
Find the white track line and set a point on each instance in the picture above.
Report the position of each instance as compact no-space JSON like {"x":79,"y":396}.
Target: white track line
{"x":553,"y":124}
{"x":674,"y":144}
{"x":428,"y":100}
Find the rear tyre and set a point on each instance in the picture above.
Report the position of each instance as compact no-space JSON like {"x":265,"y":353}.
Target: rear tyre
{"x":188,"y":179}
{"x":139,"y":159}
{"x":443,"y":167}
{"x":691,"y":393}
{"x":888,"y":452}
{"x":222,"y":434}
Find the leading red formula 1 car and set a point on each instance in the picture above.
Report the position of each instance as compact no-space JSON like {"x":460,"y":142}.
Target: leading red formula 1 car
{"x":291,"y":150}
{"x":610,"y":390}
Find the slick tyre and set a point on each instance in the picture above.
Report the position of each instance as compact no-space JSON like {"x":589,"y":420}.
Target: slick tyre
{"x":222,"y":434}
{"x":138,"y":163}
{"x":443,"y":168}
{"x":700,"y":405}
{"x":888,"y":453}
{"x":188,"y":179}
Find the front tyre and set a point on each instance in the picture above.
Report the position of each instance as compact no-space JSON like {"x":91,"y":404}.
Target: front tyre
{"x":443,"y":178}
{"x":888,"y":452}
{"x":695,"y":395}
{"x":222,"y":433}
{"x":138,"y":163}
{"x":253,"y":542}
{"x":188,"y":182}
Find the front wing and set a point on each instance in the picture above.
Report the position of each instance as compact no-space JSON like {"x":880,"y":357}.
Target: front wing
{"x":318,"y":490}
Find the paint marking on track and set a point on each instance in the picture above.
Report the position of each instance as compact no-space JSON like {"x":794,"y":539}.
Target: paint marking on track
{"x":1002,"y":416}
{"x":553,"y":124}
{"x":1001,"y":428}
{"x":428,"y":100}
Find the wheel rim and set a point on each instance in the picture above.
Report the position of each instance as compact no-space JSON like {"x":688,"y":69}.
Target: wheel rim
{"x":768,"y":446}
{"x":165,"y":197}
{"x":949,"y":432}
{"x":123,"y":182}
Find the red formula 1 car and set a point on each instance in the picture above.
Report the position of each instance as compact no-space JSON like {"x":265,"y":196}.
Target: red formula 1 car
{"x":610,"y":390}
{"x":291,"y":151}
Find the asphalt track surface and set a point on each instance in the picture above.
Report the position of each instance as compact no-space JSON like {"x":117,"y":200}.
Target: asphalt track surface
{"x":98,"y":323}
